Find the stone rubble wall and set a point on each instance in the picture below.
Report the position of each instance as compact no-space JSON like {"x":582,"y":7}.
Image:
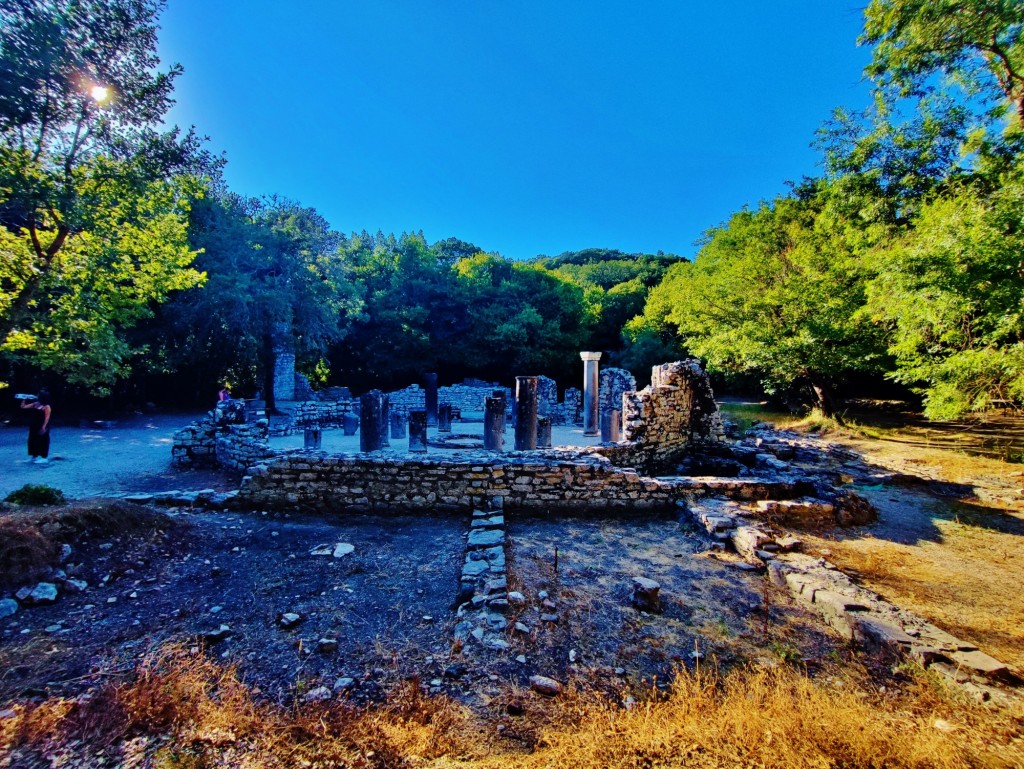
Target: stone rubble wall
{"x":612,"y":384}
{"x":242,"y":446}
{"x":320,"y":413}
{"x":402,"y":483}
{"x":195,"y":446}
{"x":466,"y":398}
{"x":676,"y":410}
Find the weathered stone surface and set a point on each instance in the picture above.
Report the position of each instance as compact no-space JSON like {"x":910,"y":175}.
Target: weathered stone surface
{"x":546,"y":686}
{"x":39,"y":595}
{"x":646,"y":594}
{"x":289,"y":619}
{"x":480,"y":538}
{"x":8,"y":606}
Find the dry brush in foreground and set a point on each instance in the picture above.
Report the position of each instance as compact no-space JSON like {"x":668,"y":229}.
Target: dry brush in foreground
{"x":184,"y":710}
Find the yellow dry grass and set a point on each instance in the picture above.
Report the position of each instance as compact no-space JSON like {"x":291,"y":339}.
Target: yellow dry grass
{"x":192,"y":712}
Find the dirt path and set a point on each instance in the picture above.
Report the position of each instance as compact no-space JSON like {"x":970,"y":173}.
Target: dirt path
{"x":947,"y":545}
{"x":131,"y":455}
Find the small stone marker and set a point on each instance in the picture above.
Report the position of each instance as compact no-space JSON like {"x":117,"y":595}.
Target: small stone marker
{"x":645,"y":594}
{"x":418,"y":431}
{"x":546,"y":686}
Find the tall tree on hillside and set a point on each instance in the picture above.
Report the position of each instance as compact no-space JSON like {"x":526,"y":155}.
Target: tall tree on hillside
{"x":91,"y":215}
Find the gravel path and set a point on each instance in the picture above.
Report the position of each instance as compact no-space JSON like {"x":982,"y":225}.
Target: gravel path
{"x":130,"y":455}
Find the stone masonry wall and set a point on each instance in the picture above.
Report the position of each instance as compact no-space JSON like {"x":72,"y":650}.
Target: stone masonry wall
{"x":677,"y":409}
{"x":378,"y":483}
{"x":242,"y":446}
{"x":466,"y":398}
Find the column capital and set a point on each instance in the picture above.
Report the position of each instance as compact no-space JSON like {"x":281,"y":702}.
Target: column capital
{"x":590,"y":355}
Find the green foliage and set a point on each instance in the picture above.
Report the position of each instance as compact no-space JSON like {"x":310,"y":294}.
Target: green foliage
{"x":976,"y":44}
{"x":775,"y":292}
{"x":36,"y":494}
{"x":274,"y":273}
{"x":92,"y":213}
{"x":952,"y":290}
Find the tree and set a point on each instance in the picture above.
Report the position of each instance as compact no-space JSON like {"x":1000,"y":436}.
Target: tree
{"x":91,"y":213}
{"x":275,"y":275}
{"x":976,"y":43}
{"x":776,"y":292}
{"x":952,"y":290}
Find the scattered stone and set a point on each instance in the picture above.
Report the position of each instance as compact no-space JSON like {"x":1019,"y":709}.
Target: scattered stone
{"x":65,"y":552}
{"x":8,"y":606}
{"x":344,"y":684}
{"x":327,"y":645}
{"x":552,"y":618}
{"x":289,"y":619}
{"x":342,"y":549}
{"x":52,"y":629}
{"x":521,"y":659}
{"x":645,"y":594}
{"x":76,"y":585}
{"x":43,"y":593}
{"x":215,"y":636}
{"x":522,"y":628}
{"x":517,"y":598}
{"x":319,"y":694}
{"x":546,"y":686}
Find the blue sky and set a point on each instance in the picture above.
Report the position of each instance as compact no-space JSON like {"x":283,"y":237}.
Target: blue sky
{"x":523,"y":127}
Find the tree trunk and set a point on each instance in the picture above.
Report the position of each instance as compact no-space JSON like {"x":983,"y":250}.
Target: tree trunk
{"x":269,"y":361}
{"x":825,"y":400}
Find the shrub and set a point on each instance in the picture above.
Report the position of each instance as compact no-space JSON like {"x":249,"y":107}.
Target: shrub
{"x":31,"y":494}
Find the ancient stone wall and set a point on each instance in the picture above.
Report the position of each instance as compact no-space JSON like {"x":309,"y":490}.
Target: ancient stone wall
{"x":320,"y":413}
{"x":583,"y":484}
{"x":466,"y":398}
{"x":676,"y":410}
{"x":195,"y":446}
{"x":613,"y":383}
{"x":242,"y":446}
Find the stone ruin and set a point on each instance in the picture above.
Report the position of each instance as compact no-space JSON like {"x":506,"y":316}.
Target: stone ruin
{"x":667,"y":427}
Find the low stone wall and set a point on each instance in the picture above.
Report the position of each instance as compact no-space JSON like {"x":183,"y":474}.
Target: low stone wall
{"x":466,"y":398}
{"x":320,"y":413}
{"x":243,"y":446}
{"x":195,"y":446}
{"x":395,"y":483}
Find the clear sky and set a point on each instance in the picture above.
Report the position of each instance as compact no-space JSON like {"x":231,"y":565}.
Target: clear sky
{"x":525,"y":127}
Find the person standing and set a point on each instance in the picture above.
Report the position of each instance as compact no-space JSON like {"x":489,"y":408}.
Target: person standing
{"x":39,"y":428}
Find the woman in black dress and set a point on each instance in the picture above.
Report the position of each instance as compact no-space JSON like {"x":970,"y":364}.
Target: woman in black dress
{"x":39,"y":428}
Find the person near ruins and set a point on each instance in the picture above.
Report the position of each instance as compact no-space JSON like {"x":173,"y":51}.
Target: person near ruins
{"x":224,"y":394}
{"x":39,"y":427}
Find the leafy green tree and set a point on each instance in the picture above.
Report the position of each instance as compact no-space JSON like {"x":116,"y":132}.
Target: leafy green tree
{"x":91,"y":214}
{"x":776,"y":292}
{"x":952,"y":291}
{"x":977,"y":44}
{"x":275,"y":274}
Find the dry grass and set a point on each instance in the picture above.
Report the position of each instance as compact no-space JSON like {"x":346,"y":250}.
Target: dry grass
{"x":192,"y":712}
{"x":30,"y":537}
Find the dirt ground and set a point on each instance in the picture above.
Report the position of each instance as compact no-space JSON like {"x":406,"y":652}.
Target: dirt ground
{"x":383,"y":613}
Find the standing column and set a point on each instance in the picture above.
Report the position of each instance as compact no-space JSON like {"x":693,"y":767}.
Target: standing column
{"x":591,"y":426}
{"x":431,"y":397}
{"x":543,"y":432}
{"x":494,"y":423}
{"x":444,"y":418}
{"x":526,"y":413}
{"x":397,"y":420}
{"x":418,"y":431}
{"x":373,"y":407}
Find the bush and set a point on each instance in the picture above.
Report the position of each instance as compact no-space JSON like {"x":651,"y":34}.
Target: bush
{"x":30,"y":494}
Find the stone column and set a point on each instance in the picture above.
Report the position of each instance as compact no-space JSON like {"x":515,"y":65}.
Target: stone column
{"x":590,"y":392}
{"x":611,"y":426}
{"x":543,"y":432}
{"x":444,"y":418}
{"x":284,"y":362}
{"x":418,"y":431}
{"x":494,"y":423}
{"x":349,"y":423}
{"x":526,"y":413}
{"x":430,"y":390}
{"x":373,"y":407}
{"x":397,"y":420}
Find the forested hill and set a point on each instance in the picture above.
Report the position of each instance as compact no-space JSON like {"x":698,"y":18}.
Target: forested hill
{"x":608,"y":267}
